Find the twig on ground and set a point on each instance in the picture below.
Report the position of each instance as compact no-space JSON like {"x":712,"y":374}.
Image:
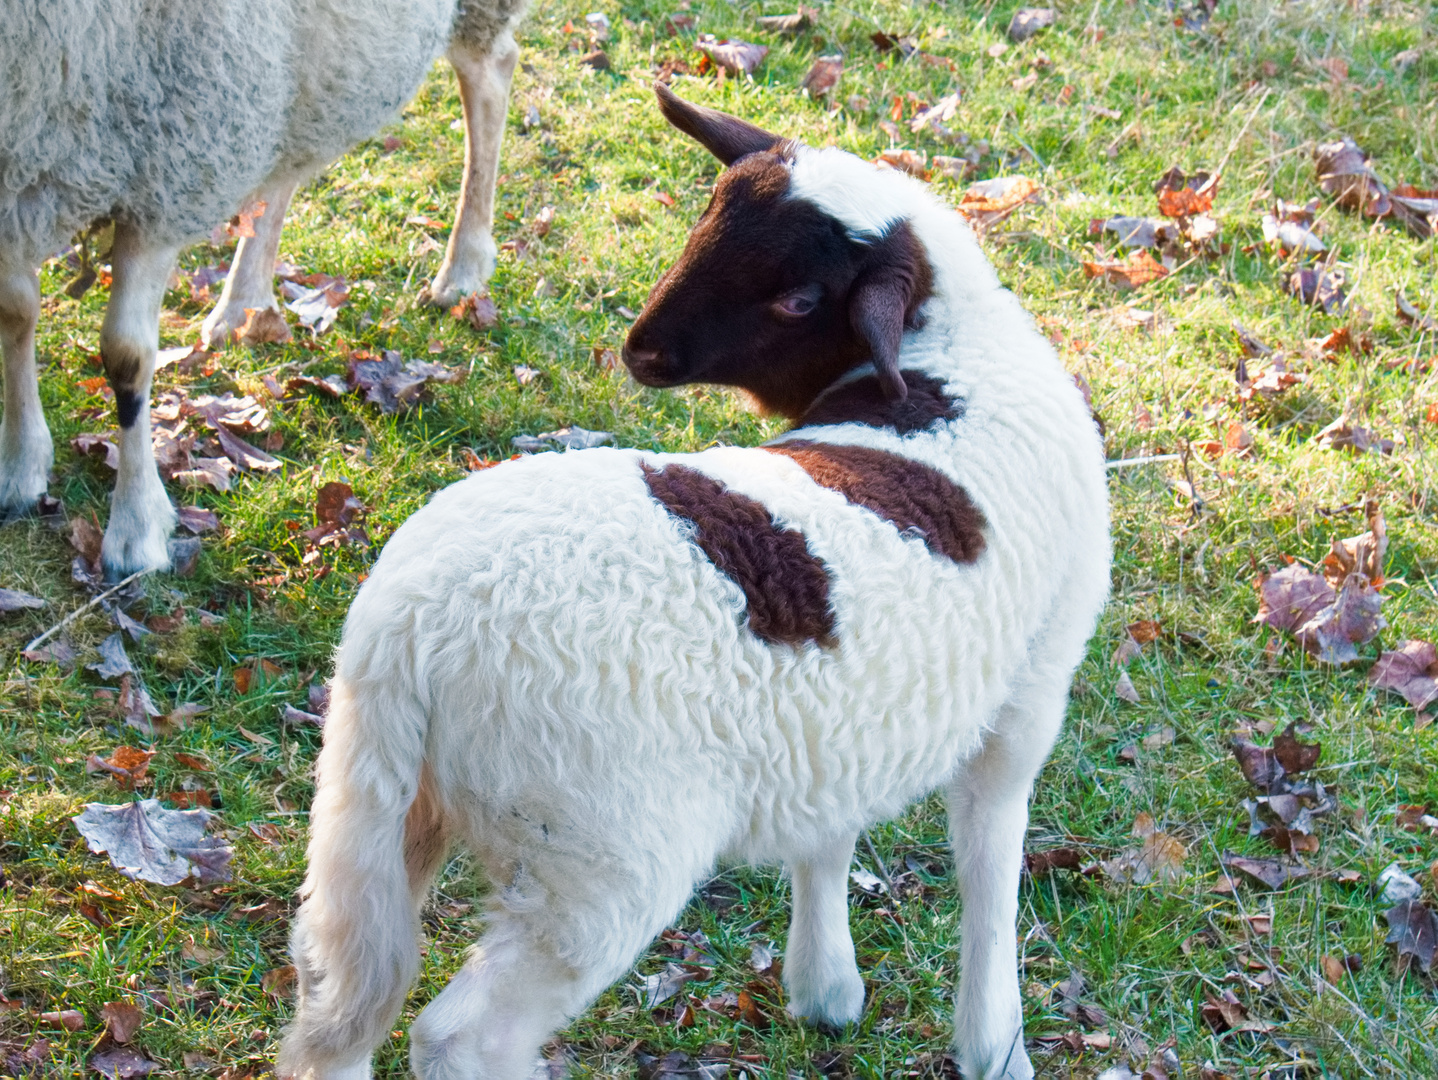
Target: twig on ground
{"x":68,"y":619}
{"x":1123,"y":463}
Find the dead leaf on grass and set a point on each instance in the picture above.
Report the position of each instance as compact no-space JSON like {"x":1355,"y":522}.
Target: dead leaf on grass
{"x":69,"y":1019}
{"x":1160,"y":858}
{"x":1027,"y":22}
{"x":1410,"y":670}
{"x":280,"y":982}
{"x":1344,"y":434}
{"x":477,"y":309}
{"x":1318,"y":286}
{"x":990,"y":201}
{"x":1125,"y":689}
{"x":1181,"y":196}
{"x":144,"y":841}
{"x":114,"y":661}
{"x":1040,"y":863}
{"x":823,"y":76}
{"x":1138,"y":269}
{"x":789,"y":24}
{"x":1413,"y":928}
{"x":264,"y":326}
{"x":732,"y":55}
{"x":340,"y":517}
{"x":570,"y":438}
{"x":912,"y":162}
{"x":198,"y":520}
{"x":1411,"y":316}
{"x":10,"y":600}
{"x":122,"y":1019}
{"x":393,"y":384}
{"x":122,"y":1062}
{"x":1267,"y":872}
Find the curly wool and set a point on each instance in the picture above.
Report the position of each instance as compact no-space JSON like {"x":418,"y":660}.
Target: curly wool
{"x":166,"y":114}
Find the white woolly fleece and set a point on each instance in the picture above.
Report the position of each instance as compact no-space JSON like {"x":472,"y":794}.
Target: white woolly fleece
{"x":577,"y":682}
{"x":167,"y":114}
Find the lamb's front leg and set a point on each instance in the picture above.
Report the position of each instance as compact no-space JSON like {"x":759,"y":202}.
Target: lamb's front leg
{"x":819,"y":970}
{"x":251,"y":281}
{"x":25,"y":447}
{"x":484,"y":74}
{"x":988,"y":816}
{"x":141,"y":516}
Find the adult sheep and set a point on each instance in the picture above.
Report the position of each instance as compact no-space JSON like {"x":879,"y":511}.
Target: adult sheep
{"x":602,"y":671}
{"x":483,"y":52}
{"x":163,"y":116}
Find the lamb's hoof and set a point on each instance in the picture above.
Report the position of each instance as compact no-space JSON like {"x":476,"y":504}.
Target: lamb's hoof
{"x":830,"y":1008}
{"x":9,"y":515}
{"x":467,"y":275}
{"x":1012,"y":1065}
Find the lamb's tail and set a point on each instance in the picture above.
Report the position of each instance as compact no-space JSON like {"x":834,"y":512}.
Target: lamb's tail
{"x":376,"y":840}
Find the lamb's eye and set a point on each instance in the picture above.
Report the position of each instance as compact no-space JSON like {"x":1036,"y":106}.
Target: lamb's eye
{"x":799,"y":303}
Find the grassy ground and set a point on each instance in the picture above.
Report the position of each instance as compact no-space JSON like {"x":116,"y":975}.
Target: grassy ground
{"x":1252,"y":92}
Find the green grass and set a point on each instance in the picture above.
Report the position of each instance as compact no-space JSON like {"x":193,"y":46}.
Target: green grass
{"x":598,"y":154}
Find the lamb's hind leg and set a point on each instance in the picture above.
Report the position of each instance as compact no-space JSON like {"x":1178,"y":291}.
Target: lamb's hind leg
{"x":819,"y":970}
{"x":251,"y":281}
{"x":141,"y":516}
{"x":545,"y":955}
{"x":25,"y":447}
{"x":484,"y":73}
{"x":988,"y":816}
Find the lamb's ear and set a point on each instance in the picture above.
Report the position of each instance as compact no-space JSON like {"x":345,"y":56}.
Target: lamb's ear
{"x":884,"y":299}
{"x":726,"y":137}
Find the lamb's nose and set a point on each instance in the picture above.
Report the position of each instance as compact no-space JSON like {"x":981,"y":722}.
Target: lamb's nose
{"x":634,"y":356}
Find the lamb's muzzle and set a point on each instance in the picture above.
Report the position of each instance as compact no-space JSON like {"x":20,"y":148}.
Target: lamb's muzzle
{"x":604,"y":670}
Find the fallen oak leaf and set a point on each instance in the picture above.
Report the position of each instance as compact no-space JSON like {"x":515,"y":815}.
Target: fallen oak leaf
{"x":144,"y":841}
{"x":477,"y":309}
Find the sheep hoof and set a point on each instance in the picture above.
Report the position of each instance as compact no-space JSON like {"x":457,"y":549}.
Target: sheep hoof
{"x":138,"y":535}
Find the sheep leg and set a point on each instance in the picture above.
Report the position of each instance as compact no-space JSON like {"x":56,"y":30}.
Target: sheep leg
{"x":141,"y":517}
{"x":484,"y":78}
{"x":250,"y":284}
{"x":819,"y":970}
{"x":988,"y":816}
{"x":25,"y":447}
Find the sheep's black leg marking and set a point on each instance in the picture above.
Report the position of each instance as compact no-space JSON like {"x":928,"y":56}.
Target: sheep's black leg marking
{"x":906,"y":492}
{"x":862,"y":401}
{"x":787,"y":588}
{"x":123,"y":370}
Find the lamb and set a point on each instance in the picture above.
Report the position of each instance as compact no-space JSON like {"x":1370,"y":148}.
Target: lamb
{"x":605,"y":670}
{"x":163,"y":118}
{"x":483,"y":52}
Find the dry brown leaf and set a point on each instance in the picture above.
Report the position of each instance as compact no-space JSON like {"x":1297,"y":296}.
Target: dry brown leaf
{"x":1413,"y":928}
{"x":264,"y":325}
{"x":989,"y":200}
{"x":1183,"y":197}
{"x":912,"y":162}
{"x":1124,"y":688}
{"x":823,"y":76}
{"x":1320,"y":287}
{"x":1410,"y":670}
{"x":1139,"y":269}
{"x":123,"y":1019}
{"x":732,"y":55}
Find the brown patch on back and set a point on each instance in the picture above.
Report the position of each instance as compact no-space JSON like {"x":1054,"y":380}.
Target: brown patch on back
{"x":862,"y":401}
{"x":786,"y":588}
{"x":905,"y":492}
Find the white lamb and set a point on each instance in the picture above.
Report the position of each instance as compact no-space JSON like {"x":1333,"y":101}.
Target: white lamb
{"x":163,"y":116}
{"x":604,"y":671}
